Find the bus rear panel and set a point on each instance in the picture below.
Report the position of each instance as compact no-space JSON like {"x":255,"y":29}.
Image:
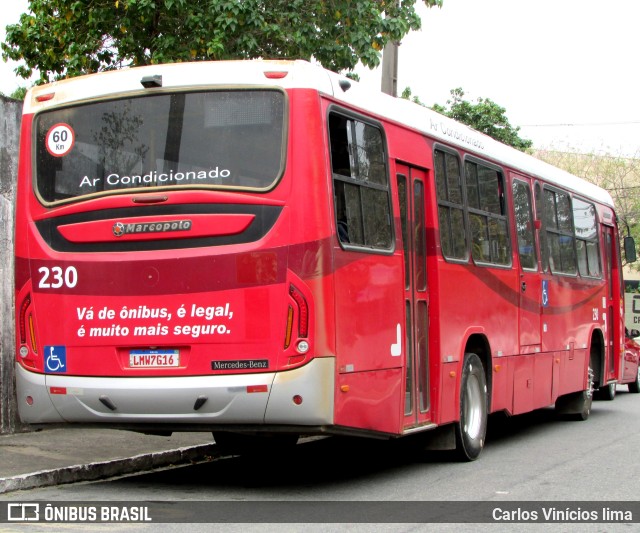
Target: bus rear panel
{"x":153,"y":270}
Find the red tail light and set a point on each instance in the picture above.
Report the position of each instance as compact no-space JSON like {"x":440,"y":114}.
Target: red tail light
{"x":276,"y":74}
{"x":45,"y":97}
{"x":303,"y":311}
{"x":23,"y":318}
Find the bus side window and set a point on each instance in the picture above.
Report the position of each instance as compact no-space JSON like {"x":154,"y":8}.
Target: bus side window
{"x":559,"y":232}
{"x":360,"y":183}
{"x":542,"y":235}
{"x":487,"y":214}
{"x":524,"y":225}
{"x":584,"y":219}
{"x":453,"y":233}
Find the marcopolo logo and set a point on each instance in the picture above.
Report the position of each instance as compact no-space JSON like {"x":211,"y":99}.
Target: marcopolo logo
{"x":119,"y":228}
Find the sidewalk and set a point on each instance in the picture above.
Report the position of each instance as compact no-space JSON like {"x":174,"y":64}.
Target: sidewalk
{"x":55,"y":456}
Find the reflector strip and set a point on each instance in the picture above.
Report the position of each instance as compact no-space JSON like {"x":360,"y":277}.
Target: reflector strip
{"x":257,"y":388}
{"x":32,"y":331}
{"x":287,"y":335}
{"x":58,"y":390}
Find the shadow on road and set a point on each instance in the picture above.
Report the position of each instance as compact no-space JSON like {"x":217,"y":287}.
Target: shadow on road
{"x":336,"y":460}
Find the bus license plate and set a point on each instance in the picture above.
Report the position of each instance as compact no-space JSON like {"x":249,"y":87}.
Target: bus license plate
{"x":154,"y":358}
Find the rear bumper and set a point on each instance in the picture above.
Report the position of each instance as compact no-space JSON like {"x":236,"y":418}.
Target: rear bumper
{"x":248,"y":399}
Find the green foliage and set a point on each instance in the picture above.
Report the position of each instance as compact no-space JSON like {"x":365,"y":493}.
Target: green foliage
{"x":18,"y":94}
{"x":63,"y":38}
{"x":485,"y":116}
{"x":407,"y":94}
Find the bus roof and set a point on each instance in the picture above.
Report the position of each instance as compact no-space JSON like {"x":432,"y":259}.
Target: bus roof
{"x":460,"y":135}
{"x":302,"y":74}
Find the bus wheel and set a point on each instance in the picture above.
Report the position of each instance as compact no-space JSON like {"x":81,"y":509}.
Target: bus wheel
{"x":472,"y":427}
{"x":607,"y":393}
{"x":252,"y":444}
{"x":577,"y":405}
{"x":635,"y":385}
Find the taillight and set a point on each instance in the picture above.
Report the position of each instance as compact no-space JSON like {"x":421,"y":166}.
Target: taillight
{"x":27,"y":333}
{"x":297,"y":316}
{"x":23,"y":318}
{"x":45,"y":97}
{"x":303,"y":311}
{"x":276,"y":74}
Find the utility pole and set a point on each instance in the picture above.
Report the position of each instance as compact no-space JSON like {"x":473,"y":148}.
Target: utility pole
{"x":390,"y":69}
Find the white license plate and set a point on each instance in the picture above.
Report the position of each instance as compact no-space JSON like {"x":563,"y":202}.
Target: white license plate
{"x":154,"y":358}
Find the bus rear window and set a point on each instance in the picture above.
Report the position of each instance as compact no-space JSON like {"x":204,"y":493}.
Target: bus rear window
{"x":229,"y":139}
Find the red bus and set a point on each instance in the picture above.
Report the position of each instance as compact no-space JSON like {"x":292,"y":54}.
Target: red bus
{"x":265,"y":249}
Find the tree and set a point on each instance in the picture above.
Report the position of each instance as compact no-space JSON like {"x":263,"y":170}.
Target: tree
{"x":407,"y":94}
{"x":617,"y":174}
{"x":485,"y":116}
{"x":18,"y":94}
{"x":64,"y":38}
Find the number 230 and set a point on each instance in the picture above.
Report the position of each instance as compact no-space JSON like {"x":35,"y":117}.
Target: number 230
{"x":56,"y":277}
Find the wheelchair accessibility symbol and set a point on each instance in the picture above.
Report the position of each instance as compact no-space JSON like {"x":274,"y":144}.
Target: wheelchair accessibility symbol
{"x":55,"y":359}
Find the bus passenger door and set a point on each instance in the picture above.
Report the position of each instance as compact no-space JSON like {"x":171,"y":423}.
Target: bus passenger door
{"x":532,"y":289}
{"x":411,"y":192}
{"x":612,"y":319}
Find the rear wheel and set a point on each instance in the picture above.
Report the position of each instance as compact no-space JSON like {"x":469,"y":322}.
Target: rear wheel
{"x":635,"y":385}
{"x":577,"y":405}
{"x":607,"y":393}
{"x":471,"y":430}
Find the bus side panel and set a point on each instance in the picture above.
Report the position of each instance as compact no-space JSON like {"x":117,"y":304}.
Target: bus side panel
{"x":532,"y":382}
{"x":574,"y":309}
{"x":480,"y":296}
{"x":369,"y":306}
{"x":573,"y":369}
{"x":502,"y":384}
{"x":449,"y":392}
{"x":370,"y":400}
{"x":369,"y":309}
{"x":310,"y":211}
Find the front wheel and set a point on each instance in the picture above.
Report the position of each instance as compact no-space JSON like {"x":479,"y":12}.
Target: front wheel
{"x":634,"y":386}
{"x":471,"y":430}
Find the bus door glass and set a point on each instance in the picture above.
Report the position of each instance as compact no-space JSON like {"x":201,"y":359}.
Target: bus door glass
{"x":411,"y":191}
{"x":532,"y":290}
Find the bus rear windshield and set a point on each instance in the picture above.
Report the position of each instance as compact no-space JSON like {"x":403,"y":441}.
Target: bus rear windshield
{"x":231,"y":139}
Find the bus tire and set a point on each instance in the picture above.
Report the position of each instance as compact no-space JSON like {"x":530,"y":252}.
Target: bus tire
{"x":471,"y":429}
{"x":607,"y":393}
{"x":634,"y":386}
{"x":577,"y":405}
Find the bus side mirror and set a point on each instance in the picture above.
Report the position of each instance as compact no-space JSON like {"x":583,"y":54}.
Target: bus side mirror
{"x":630,"y":249}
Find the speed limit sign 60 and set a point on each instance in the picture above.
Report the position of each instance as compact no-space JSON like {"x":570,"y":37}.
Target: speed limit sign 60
{"x":60,"y":139}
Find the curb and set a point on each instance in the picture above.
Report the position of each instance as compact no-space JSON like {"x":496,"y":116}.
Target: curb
{"x":105,"y":469}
